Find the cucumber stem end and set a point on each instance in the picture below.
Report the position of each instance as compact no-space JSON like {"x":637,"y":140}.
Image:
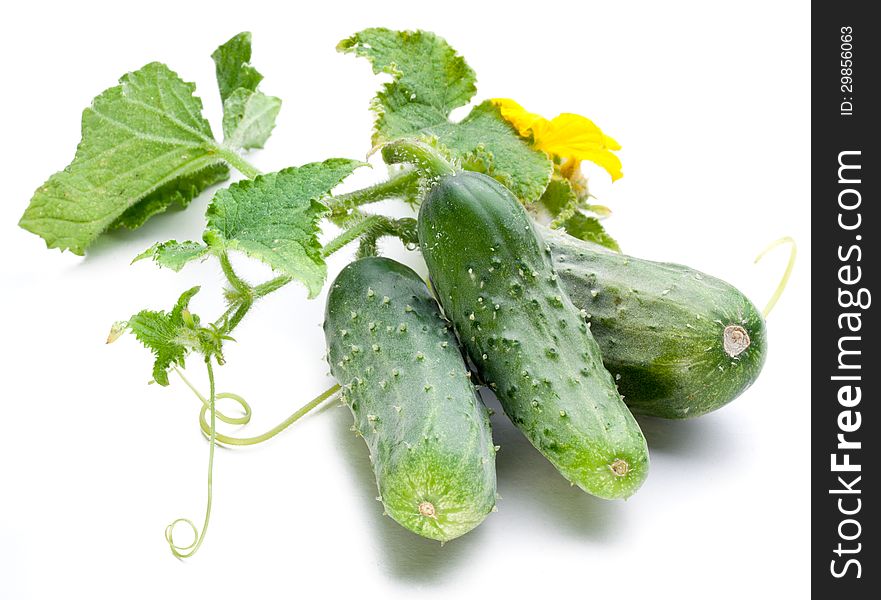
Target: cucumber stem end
{"x":735,"y":340}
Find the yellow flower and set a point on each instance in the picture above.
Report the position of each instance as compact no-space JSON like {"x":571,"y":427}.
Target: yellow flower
{"x":567,"y":136}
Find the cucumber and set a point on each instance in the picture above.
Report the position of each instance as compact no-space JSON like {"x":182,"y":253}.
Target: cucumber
{"x":683,"y":343}
{"x":405,"y":380}
{"x":496,"y":283}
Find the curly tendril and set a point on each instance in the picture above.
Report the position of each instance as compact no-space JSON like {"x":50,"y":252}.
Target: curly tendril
{"x":188,"y":551}
{"x":793,"y":251}
{"x":228,"y":440}
{"x":209,"y":428}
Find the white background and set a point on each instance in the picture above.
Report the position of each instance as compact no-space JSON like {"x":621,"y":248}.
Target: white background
{"x":712,"y":107}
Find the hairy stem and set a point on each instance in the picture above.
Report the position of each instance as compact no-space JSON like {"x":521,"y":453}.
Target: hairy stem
{"x":427,"y":160}
{"x":403,"y":229}
{"x":238,"y":163}
{"x":234,"y":280}
{"x":362,"y":225}
{"x":272,"y":285}
{"x":403,"y":184}
{"x":243,"y":307}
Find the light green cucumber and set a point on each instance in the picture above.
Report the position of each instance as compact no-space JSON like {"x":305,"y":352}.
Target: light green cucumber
{"x":495,"y":280}
{"x":405,"y":380}
{"x":680,"y":342}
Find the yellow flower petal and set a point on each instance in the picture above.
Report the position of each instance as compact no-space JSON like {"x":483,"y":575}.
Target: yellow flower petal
{"x":577,"y":137}
{"x":567,"y":135}
{"x":605,"y":159}
{"x":522,"y":120}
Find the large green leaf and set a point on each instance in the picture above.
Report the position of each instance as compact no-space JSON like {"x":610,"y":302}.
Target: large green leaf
{"x":143,"y":139}
{"x":429,"y":80}
{"x":274,"y":218}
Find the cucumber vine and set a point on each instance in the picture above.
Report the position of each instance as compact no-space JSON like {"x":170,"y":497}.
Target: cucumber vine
{"x":146,"y":146}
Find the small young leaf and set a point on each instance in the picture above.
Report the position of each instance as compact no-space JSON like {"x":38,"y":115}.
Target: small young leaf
{"x":248,"y":118}
{"x":232,"y":64}
{"x":274,"y":218}
{"x":248,"y":115}
{"x":590,"y":229}
{"x":560,"y":200}
{"x":172,"y":254}
{"x":429,"y":80}
{"x":169,"y":336}
{"x":143,"y":137}
{"x":562,"y":204}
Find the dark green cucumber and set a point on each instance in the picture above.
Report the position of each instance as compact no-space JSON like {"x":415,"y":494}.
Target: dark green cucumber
{"x":680,"y":342}
{"x":408,"y":387}
{"x":495,"y":280}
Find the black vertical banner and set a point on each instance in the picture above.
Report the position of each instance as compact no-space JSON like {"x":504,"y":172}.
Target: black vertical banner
{"x":845,"y":61}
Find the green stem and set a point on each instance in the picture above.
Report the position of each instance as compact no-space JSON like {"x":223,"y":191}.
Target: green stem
{"x":188,"y":551}
{"x":238,"y":163}
{"x":222,"y":321}
{"x":370,"y":229}
{"x":237,"y":282}
{"x":350,"y":235}
{"x":403,"y":229}
{"x":427,"y":160}
{"x":272,"y":285}
{"x":239,"y":314}
{"x":404,"y":184}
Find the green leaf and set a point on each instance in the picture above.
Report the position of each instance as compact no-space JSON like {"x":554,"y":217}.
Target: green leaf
{"x":564,"y":206}
{"x":145,"y":136}
{"x":169,"y":336}
{"x":248,"y":118}
{"x":232,"y":64}
{"x":180,"y":191}
{"x":560,"y":200}
{"x":486,"y":142}
{"x":274,"y":218}
{"x":248,"y":115}
{"x":173,"y":255}
{"x":590,"y":229}
{"x":429,"y":80}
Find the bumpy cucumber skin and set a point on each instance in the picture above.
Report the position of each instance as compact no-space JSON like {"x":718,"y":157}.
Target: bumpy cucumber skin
{"x":496,"y":283}
{"x":661,"y":327}
{"x":408,"y":387}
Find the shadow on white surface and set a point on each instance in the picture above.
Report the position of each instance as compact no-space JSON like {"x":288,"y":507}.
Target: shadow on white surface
{"x":407,"y":556}
{"x":708,"y":439}
{"x":535,"y":497}
{"x":531,"y":487}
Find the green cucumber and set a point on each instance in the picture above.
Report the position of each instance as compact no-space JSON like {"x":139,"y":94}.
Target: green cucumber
{"x":531,"y":345}
{"x":680,"y":342}
{"x":405,"y":380}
